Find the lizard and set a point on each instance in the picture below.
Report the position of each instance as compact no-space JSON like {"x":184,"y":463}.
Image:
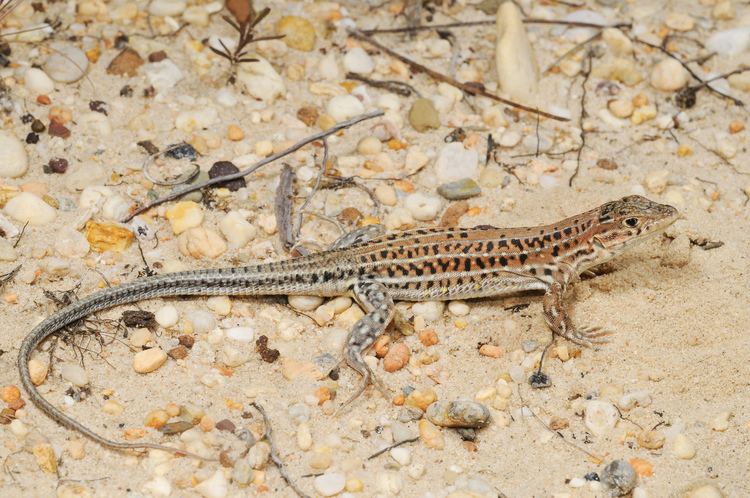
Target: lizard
{"x":377,"y":269}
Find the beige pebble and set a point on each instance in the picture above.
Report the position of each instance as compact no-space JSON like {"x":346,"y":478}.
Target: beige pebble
{"x":386,"y":194}
{"x":491,"y":350}
{"x":720,"y":423}
{"x":141,"y":337}
{"x":396,"y":358}
{"x":112,"y":407}
{"x":430,"y":435}
{"x":421,"y":398}
{"x":157,"y":418}
{"x":669,"y":75}
{"x":149,"y":360}
{"x":221,"y":305}
{"x":679,"y":21}
{"x":723,"y":10}
{"x":369,"y":146}
{"x":656,"y":181}
{"x":201,"y":243}
{"x":45,"y":457}
{"x":682,"y":447}
{"x":38,"y":371}
{"x":264,"y":148}
{"x":235,"y":133}
{"x":76,"y":448}
{"x":620,"y":108}
{"x":701,"y":490}
{"x":184,"y":215}
{"x":304,"y":437}
{"x":293,"y":369}
{"x":322,"y":458}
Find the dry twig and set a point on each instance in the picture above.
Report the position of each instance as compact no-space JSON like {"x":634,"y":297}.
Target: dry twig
{"x":583,"y":115}
{"x":283,"y":206}
{"x":492,"y":21}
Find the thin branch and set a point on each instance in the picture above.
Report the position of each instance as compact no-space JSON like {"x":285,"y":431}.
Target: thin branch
{"x":583,"y":116}
{"x":573,"y":50}
{"x":221,"y":179}
{"x":308,"y":199}
{"x":466,"y":87}
{"x":395,"y":445}
{"x":283,"y":206}
{"x":488,"y":22}
{"x":397,"y":87}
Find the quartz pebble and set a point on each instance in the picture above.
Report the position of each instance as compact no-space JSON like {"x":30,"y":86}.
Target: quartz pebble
{"x":7,"y":251}
{"x":163,"y":75}
{"x":184,"y":215}
{"x":720,"y":423}
{"x":465,"y":188}
{"x":75,"y":374}
{"x":215,"y":486}
{"x":165,"y":8}
{"x":369,"y":146}
{"x":600,"y":417}
{"x":305,"y":303}
{"x":423,"y":207}
{"x":37,"y":82}
{"x":221,"y":305}
{"x":201,"y":243}
{"x":430,"y":435}
{"x":202,"y":321}
{"x":14,"y":161}
{"x":67,"y":64}
{"x":402,"y":456}
{"x":167,"y":316}
{"x":517,"y":69}
{"x":330,"y":483}
{"x":241,"y":334}
{"x":342,"y":107}
{"x":669,"y":75}
{"x":455,"y":162}
{"x":459,"y":413}
{"x":236,"y":229}
{"x":423,"y":115}
{"x":38,"y":371}
{"x":357,"y":60}
{"x":682,"y":447}
{"x":149,"y":360}
{"x":261,"y":80}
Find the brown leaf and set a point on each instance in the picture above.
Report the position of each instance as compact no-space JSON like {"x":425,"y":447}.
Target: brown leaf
{"x":242,"y":10}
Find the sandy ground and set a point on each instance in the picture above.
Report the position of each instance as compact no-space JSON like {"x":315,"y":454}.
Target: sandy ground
{"x":681,"y":329}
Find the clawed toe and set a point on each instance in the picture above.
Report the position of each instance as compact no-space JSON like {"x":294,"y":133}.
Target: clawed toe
{"x":589,"y":337}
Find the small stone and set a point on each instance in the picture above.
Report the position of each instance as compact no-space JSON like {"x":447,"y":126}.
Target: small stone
{"x":37,"y":82}
{"x":202,"y":321}
{"x":126,"y":63}
{"x":304,"y":437}
{"x":217,"y":485}
{"x":38,"y":371}
{"x":651,"y":440}
{"x":293,"y":369}
{"x":112,"y":407}
{"x":45,"y":457}
{"x":682,"y":447}
{"x":261,"y":80}
{"x":149,"y":360}
{"x":600,"y":417}
{"x":223,"y":168}
{"x":221,"y":305}
{"x":701,"y":490}
{"x":728,"y":43}
{"x":465,"y":188}
{"x":67,"y":64}
{"x":75,"y":374}
{"x":357,"y":60}
{"x":108,"y":236}
{"x":308,"y":114}
{"x":619,"y":476}
{"x":423,"y":116}
{"x":184,"y":215}
{"x":163,"y":8}
{"x":458,"y":308}
{"x":56,"y":129}
{"x":7,"y":251}
{"x":430,"y":435}
{"x":298,"y":32}
{"x":421,"y":398}
{"x":679,"y":21}
{"x":720,"y":423}
{"x":509,"y":139}
{"x":10,"y":394}
{"x":517,"y":69}
{"x":369,"y":146}
{"x":178,"y":352}
{"x":620,"y":108}
{"x":241,"y":334}
{"x":201,"y":243}
{"x":14,"y":161}
{"x":167,"y":316}
{"x":459,"y":413}
{"x":456,"y":162}
{"x":490,"y":350}
{"x":423,"y":207}
{"x":669,"y":75}
{"x":163,"y":75}
{"x":342,"y":107}
{"x":235,"y":133}
{"x":191,"y":120}
{"x":330,"y":483}
{"x":656,"y":181}
{"x":401,"y":455}
{"x":396,"y":358}
{"x":141,"y":337}
{"x":242,"y":472}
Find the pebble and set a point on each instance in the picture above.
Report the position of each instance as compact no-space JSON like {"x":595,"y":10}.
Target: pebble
{"x":620,"y":108}
{"x":459,"y":413}
{"x":184,"y":215}
{"x":701,"y":490}
{"x":304,"y":436}
{"x":669,"y":75}
{"x":423,"y":116}
{"x":465,"y":188}
{"x":720,"y":423}
{"x":517,"y":69}
{"x":201,"y":243}
{"x":490,"y":350}
{"x":458,"y":308}
{"x":656,"y":181}
{"x":682,"y":447}
{"x":18,"y":428}
{"x":678,"y":252}
{"x":509,"y":139}
{"x":305,"y":303}
{"x":242,"y":472}
{"x":619,"y":476}
{"x":455,"y":162}
{"x":7,"y":251}
{"x":293,"y":369}
{"x":330,"y":483}
{"x":402,"y":456}
{"x":126,"y":63}
{"x":261,"y":80}
{"x":389,"y":483}
{"x":202,"y":321}
{"x":14,"y":162}
{"x":357,"y":60}
{"x":167,"y":316}
{"x":221,"y":305}
{"x":38,"y":371}
{"x":217,"y":485}
{"x":600,"y":417}
{"x":67,"y":64}
{"x":37,"y":82}
{"x":386,"y":194}
{"x":75,"y":374}
{"x":369,"y":146}
{"x":241,"y":334}
{"x":423,"y":207}
{"x":149,"y":360}
{"x":729,"y":42}
{"x":430,"y":435}
{"x":141,"y":337}
{"x":112,"y":407}
{"x":163,"y":75}
{"x":196,"y":119}
{"x":115,"y":208}
{"x":45,"y":457}
{"x":224,"y":168}
{"x":421,"y":398}
{"x":298,"y":32}
{"x":396,"y":358}
{"x":165,"y":8}
{"x":342,"y":107}
{"x":679,"y":21}
{"x":158,"y":486}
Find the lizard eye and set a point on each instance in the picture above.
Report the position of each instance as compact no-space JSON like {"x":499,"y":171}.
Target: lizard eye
{"x":631,"y":222}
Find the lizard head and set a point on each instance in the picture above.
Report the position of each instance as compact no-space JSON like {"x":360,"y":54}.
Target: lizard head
{"x":629,"y":220}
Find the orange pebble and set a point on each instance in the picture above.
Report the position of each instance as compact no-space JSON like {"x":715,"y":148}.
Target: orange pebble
{"x":323,"y":394}
{"x":10,"y":394}
{"x":642,"y":467}
{"x":428,"y":337}
{"x":399,"y":400}
{"x":397,"y":357}
{"x":491,"y":350}
{"x":381,"y":346}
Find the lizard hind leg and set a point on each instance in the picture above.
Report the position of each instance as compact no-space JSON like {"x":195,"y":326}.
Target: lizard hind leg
{"x":378,"y":304}
{"x":558,"y":320}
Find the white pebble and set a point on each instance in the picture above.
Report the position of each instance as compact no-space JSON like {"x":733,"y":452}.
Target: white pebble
{"x":167,"y":316}
{"x":682,"y":447}
{"x":305,"y":303}
{"x":201,"y":243}
{"x":158,"y":486}
{"x":456,"y":162}
{"x":18,"y":428}
{"x":423,"y":207}
{"x":369,"y":146}
{"x":233,"y":357}
{"x":600,"y":417}
{"x":75,"y":374}
{"x":203,"y":321}
{"x":669,"y":75}
{"x":67,"y":64}
{"x":191,"y":120}
{"x":357,"y":60}
{"x":241,"y":334}
{"x":165,"y":8}
{"x":261,"y":80}
{"x":386,"y":194}
{"x":236,"y":229}
{"x":221,"y":305}
{"x":509,"y":139}
{"x":7,"y":251}
{"x":416,"y":470}
{"x":720,"y":423}
{"x":656,"y":181}
{"x":389,"y":483}
{"x":37,"y":82}
{"x":71,"y":243}
{"x":163,"y":75}
{"x":429,"y":310}
{"x":115,"y":208}
{"x":13,"y":158}
{"x":458,"y":308}
{"x":304,"y":437}
{"x":401,"y":455}
{"x":215,"y":486}
{"x":330,"y":483}
{"x":342,"y":107}
{"x":149,"y":360}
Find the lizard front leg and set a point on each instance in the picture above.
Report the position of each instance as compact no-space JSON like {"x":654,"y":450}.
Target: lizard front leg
{"x":557,"y":318}
{"x":373,"y":296}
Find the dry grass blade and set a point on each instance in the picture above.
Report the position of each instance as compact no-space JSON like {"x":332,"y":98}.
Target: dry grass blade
{"x":7,"y":6}
{"x":283,"y":206}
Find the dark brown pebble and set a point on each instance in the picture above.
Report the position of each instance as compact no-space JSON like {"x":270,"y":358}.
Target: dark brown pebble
{"x":138,"y":319}
{"x":98,"y":106}
{"x":58,"y":165}
{"x":58,"y":130}
{"x":606,"y":164}
{"x":126,"y":63}
{"x":267,"y":354}
{"x":178,"y":352}
{"x":32,"y":138}
{"x":157,"y":56}
{"x":187,"y":341}
{"x":224,"y":168}
{"x":37,"y":126}
{"x":226,"y":425}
